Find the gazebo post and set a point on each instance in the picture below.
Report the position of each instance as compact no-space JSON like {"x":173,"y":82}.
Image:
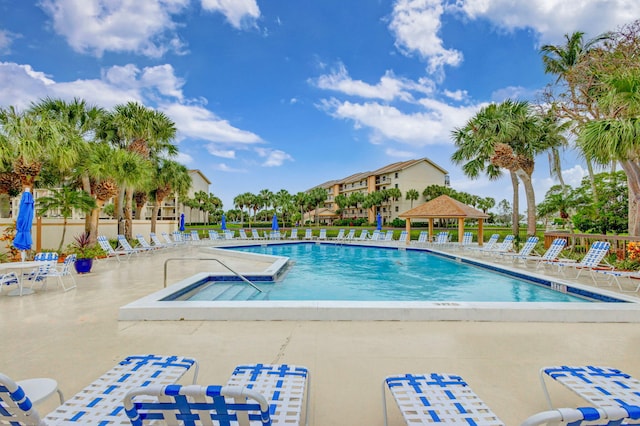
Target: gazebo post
{"x":430,"y":229}
{"x":460,"y":229}
{"x":408,"y":228}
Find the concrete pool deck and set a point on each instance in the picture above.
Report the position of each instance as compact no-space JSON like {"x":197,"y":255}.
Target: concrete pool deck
{"x":74,"y":337}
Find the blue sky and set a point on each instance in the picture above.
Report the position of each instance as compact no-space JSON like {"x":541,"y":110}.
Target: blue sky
{"x":289,"y":94}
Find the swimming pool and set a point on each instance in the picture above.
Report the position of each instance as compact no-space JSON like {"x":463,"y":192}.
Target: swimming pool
{"x":357,"y":273}
{"x":166,"y":304}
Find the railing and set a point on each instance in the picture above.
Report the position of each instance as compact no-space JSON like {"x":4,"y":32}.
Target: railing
{"x":166,"y":262}
{"x":582,"y":242}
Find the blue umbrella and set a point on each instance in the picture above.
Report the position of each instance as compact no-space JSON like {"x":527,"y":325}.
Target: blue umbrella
{"x":22,"y":240}
{"x":223,"y":223}
{"x":181,"y":222}
{"x":379,"y":222}
{"x":274,"y":223}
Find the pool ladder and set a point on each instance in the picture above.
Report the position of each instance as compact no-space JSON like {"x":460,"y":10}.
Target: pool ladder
{"x":237,"y":274}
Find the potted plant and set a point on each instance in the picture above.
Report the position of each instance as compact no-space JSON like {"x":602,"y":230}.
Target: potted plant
{"x":85,"y":252}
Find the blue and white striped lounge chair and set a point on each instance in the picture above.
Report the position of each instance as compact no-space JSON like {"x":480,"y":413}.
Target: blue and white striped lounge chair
{"x":447,"y":399}
{"x":308,"y":234}
{"x":123,"y":245}
{"x":525,"y":251}
{"x":363,"y":235}
{"x":242,"y":234}
{"x":293,"y":235}
{"x":284,"y":386}
{"x":213,"y":235}
{"x":11,"y":278}
{"x":142,"y":242}
{"x":109,"y":251}
{"x":437,"y":398}
{"x":275,"y":235}
{"x":255,"y":235}
{"x":493,"y":240}
{"x":402,"y":239}
{"x":195,"y":237}
{"x":178,"y":237}
{"x":18,"y":398}
{"x":423,"y":238}
{"x":590,"y":262}
{"x":603,"y":387}
{"x":169,"y":240}
{"x":505,"y":246}
{"x":388,"y":236}
{"x":340,"y":235}
{"x":350,"y":235}
{"x":376,"y":235}
{"x":47,"y":260}
{"x":228,"y":234}
{"x":550,"y":256}
{"x":467,"y":241}
{"x":60,"y":271}
{"x":102,"y":402}
{"x":155,"y":241}
{"x":442,"y":240}
{"x":256,"y":395}
{"x":323,"y":234}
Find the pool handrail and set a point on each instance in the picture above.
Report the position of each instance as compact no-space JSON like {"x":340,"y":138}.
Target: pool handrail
{"x":209,"y":258}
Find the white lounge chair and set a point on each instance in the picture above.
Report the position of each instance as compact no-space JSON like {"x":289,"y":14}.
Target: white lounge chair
{"x":322,"y":235}
{"x":447,"y":399}
{"x":142,"y":242}
{"x":110,"y":252}
{"x":488,"y":245}
{"x":350,"y":235}
{"x":11,"y":278}
{"x":467,"y":241}
{"x":293,"y":235}
{"x":102,"y":402}
{"x":441,"y":241}
{"x":243,"y":235}
{"x":271,"y":395}
{"x":423,"y":238}
{"x":590,"y":262}
{"x":255,"y":235}
{"x":213,"y":235}
{"x":550,"y":256}
{"x":525,"y":251}
{"x":195,"y":237}
{"x":123,"y":245}
{"x":603,"y":387}
{"x":340,"y":235}
{"x":60,"y":271}
{"x":308,"y":234}
{"x":388,"y":236}
{"x":363,"y":235}
{"x":155,"y":241}
{"x":505,"y":246}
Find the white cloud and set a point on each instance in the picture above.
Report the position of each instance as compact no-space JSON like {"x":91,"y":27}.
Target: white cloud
{"x":195,"y":121}
{"x":551,"y":19}
{"x":6,"y":38}
{"x":416,"y":24}
{"x":274,"y":157}
{"x":428,"y":127}
{"x":95,"y":26}
{"x":457,"y":95}
{"x":389,"y":88}
{"x":184,"y":158}
{"x":213,"y":149}
{"x":239,"y":13}
{"x":226,"y":168}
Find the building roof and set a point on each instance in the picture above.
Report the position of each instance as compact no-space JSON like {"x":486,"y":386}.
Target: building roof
{"x":389,"y":168}
{"x":444,"y":207}
{"x":198,"y":172}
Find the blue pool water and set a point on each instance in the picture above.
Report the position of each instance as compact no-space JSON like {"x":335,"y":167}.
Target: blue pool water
{"x":353,"y":273}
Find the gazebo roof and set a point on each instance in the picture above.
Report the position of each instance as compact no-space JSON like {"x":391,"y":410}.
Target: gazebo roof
{"x":444,"y":207}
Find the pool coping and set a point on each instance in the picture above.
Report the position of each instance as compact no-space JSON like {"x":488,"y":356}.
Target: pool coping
{"x":152,"y":308}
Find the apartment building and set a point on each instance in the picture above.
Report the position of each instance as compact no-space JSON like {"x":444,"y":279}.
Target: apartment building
{"x":405,"y":175}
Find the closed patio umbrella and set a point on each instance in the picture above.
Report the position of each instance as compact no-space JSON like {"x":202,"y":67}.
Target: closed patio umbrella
{"x":379,"y":222}
{"x":181,"y":222}
{"x":274,"y":223}
{"x":223,"y":223}
{"x":22,"y":240}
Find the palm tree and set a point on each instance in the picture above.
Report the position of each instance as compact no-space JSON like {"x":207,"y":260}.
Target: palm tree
{"x":413,"y":195}
{"x":342,"y":202}
{"x":301,"y":200}
{"x":241,"y":201}
{"x":145,"y":132}
{"x":317,"y":197}
{"x":171,"y":177}
{"x":561,"y":60}
{"x":65,"y":200}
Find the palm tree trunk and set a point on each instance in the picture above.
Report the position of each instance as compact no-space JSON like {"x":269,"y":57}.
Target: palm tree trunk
{"x":592,"y":180}
{"x":119,"y":210}
{"x":86,"y":186}
{"x":128,"y":218}
{"x":632,"y":169}
{"x":515,"y":219}
{"x":95,"y":219}
{"x":531,"y":202}
{"x":154,"y":213}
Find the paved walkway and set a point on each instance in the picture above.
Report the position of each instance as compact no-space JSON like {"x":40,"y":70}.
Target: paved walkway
{"x":75,"y":337}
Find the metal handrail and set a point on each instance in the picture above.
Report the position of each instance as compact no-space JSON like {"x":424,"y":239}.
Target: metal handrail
{"x":209,"y":258}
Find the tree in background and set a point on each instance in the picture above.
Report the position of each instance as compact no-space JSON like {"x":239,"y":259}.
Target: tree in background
{"x":412,"y":195}
{"x":64,"y":201}
{"x":610,"y":212}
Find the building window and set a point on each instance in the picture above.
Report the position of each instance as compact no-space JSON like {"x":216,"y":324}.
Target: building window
{"x":384,"y":209}
{"x":396,"y":185}
{"x":447,"y":182}
{"x":397,"y":209}
{"x":396,"y":175}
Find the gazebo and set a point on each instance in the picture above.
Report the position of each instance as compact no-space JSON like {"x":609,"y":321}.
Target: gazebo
{"x":445,"y":207}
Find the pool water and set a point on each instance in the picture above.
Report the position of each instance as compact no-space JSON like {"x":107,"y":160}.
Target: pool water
{"x":355,"y":273}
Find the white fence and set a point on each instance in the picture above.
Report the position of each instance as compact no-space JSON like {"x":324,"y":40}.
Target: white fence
{"x":47,"y":232}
